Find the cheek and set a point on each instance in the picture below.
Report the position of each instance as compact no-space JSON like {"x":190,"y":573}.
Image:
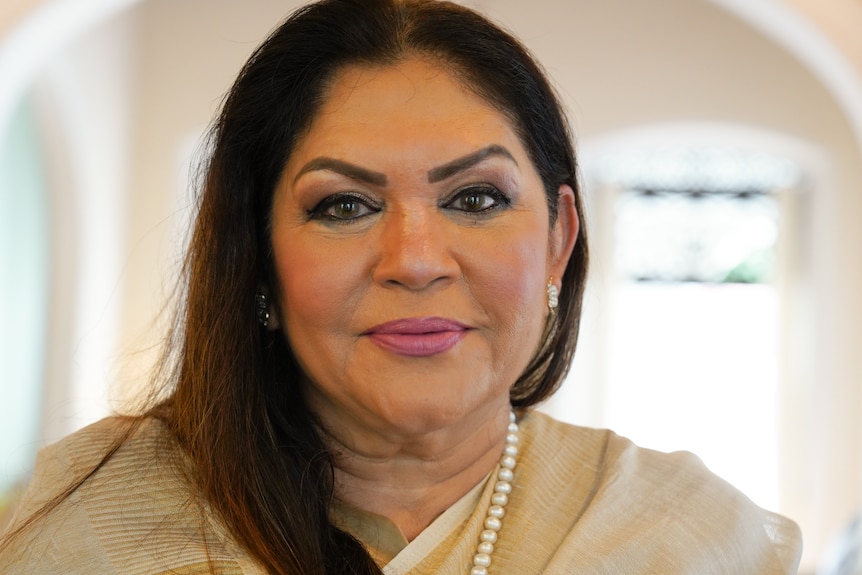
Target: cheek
{"x":316,"y":285}
{"x":512,"y":284}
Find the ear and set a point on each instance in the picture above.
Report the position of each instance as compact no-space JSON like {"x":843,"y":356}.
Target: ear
{"x":564,"y":233}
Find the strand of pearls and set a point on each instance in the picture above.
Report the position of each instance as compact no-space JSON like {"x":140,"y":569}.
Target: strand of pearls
{"x":502,"y":489}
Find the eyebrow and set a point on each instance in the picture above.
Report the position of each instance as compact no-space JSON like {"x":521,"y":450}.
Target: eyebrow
{"x":347,"y":169}
{"x":435,"y":175}
{"x":463,"y":163}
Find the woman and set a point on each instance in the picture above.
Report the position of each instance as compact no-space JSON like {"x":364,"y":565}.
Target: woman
{"x":385,"y":276}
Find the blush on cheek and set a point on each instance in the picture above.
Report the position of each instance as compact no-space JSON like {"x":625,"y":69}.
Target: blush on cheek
{"x":306,"y":272}
{"x":301,"y":282}
{"x":523,"y":274}
{"x":513,"y":293}
{"x":320,"y":287}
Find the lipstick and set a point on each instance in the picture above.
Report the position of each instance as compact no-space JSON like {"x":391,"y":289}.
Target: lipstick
{"x":418,"y":337}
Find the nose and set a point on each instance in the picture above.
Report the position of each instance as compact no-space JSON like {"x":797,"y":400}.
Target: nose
{"x":415,"y":250}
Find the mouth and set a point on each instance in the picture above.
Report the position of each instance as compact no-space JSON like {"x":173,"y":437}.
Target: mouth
{"x":418,"y":337}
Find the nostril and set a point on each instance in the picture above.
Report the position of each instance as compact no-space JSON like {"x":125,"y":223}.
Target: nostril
{"x":416,"y":259}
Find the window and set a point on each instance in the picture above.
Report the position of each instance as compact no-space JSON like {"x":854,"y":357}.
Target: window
{"x":23,"y":297}
{"x":690,"y":305}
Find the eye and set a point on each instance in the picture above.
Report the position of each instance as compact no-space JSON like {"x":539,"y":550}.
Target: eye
{"x":343,"y":208}
{"x":478,"y":199}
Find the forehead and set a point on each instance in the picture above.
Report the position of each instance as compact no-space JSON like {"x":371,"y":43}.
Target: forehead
{"x":411,"y":80}
{"x":412,"y":101}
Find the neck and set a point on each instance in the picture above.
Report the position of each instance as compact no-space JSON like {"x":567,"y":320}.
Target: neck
{"x":411,"y":480}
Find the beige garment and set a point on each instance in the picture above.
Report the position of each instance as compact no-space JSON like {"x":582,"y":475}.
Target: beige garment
{"x":135,"y":515}
{"x":584,"y":501}
{"x":588,"y":501}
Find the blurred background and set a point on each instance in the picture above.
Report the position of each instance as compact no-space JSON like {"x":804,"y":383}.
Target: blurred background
{"x":720,"y":144}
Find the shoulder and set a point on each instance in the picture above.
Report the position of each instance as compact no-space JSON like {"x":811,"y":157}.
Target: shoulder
{"x":664,"y":510}
{"x":135,"y":511}
{"x":60,"y":464}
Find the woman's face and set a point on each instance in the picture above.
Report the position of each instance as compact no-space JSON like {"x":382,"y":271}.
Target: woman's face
{"x":413,"y":248}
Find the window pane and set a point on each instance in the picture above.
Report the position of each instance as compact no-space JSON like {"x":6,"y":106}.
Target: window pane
{"x":695,"y":369}
{"x":23,"y":296}
{"x":694,"y":317}
{"x":696,"y":236}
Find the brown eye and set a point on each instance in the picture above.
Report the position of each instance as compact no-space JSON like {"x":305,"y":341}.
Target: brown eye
{"x":343,"y":208}
{"x":474,"y":202}
{"x":478,"y":199}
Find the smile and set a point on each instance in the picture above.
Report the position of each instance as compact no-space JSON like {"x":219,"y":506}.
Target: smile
{"x":418,"y":337}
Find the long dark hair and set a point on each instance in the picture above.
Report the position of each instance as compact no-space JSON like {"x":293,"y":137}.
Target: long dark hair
{"x":236,"y":407}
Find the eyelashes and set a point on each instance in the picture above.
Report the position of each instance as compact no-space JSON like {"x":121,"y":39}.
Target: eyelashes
{"x":343,"y":207}
{"x":478,"y":199}
{"x":475,"y":200}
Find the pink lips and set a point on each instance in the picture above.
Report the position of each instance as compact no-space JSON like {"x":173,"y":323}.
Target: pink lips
{"x":418,"y":337}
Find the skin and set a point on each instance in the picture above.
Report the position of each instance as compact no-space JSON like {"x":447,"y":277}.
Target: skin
{"x":470,"y":243}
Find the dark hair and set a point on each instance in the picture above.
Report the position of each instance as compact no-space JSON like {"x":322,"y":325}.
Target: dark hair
{"x":236,"y":399}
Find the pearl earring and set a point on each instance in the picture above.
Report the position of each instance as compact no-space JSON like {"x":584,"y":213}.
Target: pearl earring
{"x":553,"y":295}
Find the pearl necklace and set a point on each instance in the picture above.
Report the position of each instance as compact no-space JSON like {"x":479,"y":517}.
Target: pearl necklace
{"x":502,"y":489}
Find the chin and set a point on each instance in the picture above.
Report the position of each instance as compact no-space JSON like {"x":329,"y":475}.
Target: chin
{"x":439,"y":409}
